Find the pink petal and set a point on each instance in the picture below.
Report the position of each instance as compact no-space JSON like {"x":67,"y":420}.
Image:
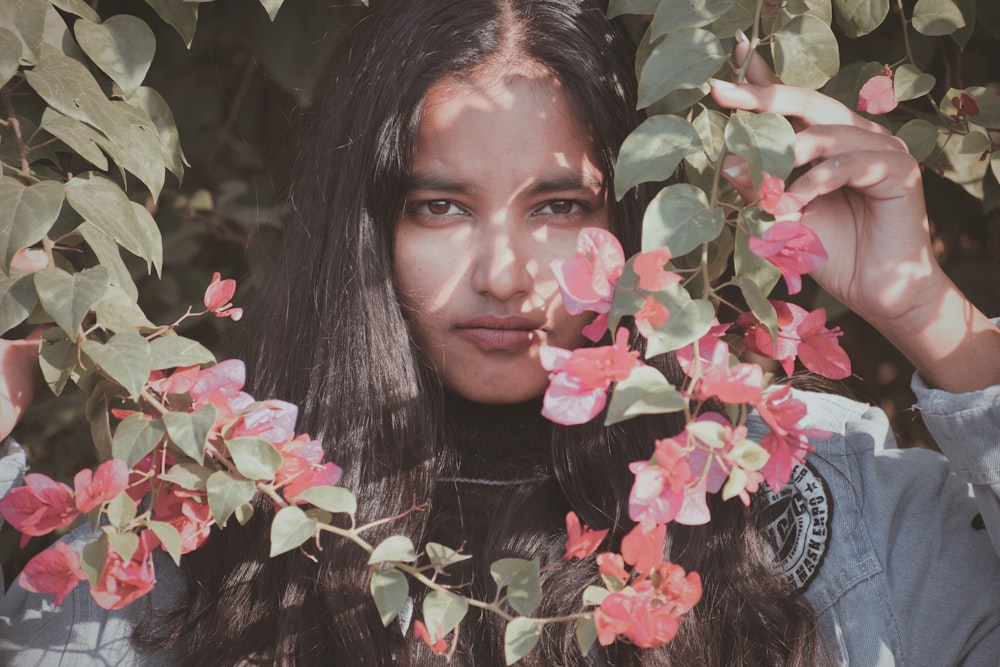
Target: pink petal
{"x":566,"y":402}
{"x":108,"y":481}
{"x":877,"y":95}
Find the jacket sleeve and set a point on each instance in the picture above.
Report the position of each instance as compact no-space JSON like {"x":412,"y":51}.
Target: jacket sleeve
{"x":967,"y":429}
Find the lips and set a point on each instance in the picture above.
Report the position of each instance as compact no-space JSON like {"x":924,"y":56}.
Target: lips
{"x":499,"y":334}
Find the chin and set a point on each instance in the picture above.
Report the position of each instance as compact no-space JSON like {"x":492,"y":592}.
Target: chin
{"x":499,"y":394}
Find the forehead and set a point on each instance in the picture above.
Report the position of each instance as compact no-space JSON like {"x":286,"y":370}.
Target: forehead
{"x":513,"y":118}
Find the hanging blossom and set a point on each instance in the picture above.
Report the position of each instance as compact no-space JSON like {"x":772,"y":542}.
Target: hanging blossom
{"x":713,"y":374}
{"x":787,"y":443}
{"x":587,"y":280}
{"x":775,"y":200}
{"x":801,"y":334}
{"x":219,"y":298}
{"x":579,"y":379}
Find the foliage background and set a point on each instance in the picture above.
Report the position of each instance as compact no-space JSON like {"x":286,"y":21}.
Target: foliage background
{"x":238,"y":92}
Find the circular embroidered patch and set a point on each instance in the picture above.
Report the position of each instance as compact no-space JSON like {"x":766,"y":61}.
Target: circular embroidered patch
{"x":799,"y":523}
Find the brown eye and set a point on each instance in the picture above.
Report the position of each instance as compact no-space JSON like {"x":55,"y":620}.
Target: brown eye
{"x":561,"y":206}
{"x":438,"y":207}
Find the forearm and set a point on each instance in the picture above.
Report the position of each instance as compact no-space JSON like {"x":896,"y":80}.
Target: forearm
{"x":950,"y":342}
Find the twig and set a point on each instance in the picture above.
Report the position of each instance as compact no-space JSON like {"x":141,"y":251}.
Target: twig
{"x":15,"y":125}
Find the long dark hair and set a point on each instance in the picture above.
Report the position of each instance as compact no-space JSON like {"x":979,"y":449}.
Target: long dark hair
{"x":329,"y":335}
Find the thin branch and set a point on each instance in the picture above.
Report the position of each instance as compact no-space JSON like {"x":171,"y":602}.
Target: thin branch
{"x":15,"y":125}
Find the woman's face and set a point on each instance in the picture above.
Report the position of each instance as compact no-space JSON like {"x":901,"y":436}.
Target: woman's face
{"x":503,"y":178}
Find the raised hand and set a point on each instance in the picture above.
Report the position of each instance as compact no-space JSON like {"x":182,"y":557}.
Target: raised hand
{"x":865,"y":201}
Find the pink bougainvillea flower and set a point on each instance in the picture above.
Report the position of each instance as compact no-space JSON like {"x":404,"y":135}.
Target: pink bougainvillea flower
{"x":587,"y":280}
{"x":218,"y":298}
{"x":179,"y":382}
{"x":612,"y":566}
{"x":793,"y":248}
{"x":38,"y":507}
{"x":877,"y":96}
{"x":94,"y":488}
{"x":775,"y":200}
{"x":819,"y":350}
{"x":648,"y":615}
{"x":802,"y":334}
{"x":271,"y":420}
{"x":580,"y":378}
{"x":658,"y":490}
{"x":187,"y":511}
{"x":581,"y":541}
{"x":327,"y":474}
{"x":440,"y":647}
{"x":649,"y":267}
{"x":221,"y":386}
{"x":642,"y":547}
{"x":55,"y":571}
{"x":787,"y":443}
{"x":653,"y":314}
{"x":741,"y":383}
{"x":123,"y":583}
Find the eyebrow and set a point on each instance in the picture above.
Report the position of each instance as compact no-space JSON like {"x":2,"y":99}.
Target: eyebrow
{"x":558,"y":182}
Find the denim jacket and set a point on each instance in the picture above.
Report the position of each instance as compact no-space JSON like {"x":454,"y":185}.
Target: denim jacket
{"x":898,"y":561}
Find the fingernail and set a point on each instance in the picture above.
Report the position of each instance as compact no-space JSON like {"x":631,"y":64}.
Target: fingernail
{"x":741,"y":37}
{"x":734,"y":171}
{"x":721,"y":85}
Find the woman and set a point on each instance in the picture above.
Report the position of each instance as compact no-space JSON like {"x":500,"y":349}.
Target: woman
{"x":458,"y":151}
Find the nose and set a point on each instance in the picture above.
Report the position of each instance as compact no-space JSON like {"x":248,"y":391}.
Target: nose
{"x":502,"y":268}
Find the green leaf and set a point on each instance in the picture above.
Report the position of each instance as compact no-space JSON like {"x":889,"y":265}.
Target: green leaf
{"x":118,"y":312}
{"x":334,"y":499}
{"x":26,"y":215}
{"x":909,"y":83}
{"x":805,"y":52}
{"x":821,"y":9}
{"x":57,"y":359}
{"x":937,"y":17}
{"x":586,"y":634}
{"x":689,"y":320}
{"x":520,"y":637}
{"x":17,"y":298}
{"x":521,"y":577}
{"x":135,"y":437}
{"x":442,"y":556}
{"x":968,"y":9}
{"x":153,"y":105}
{"x":134,"y":144}
{"x":272,"y":7}
{"x":68,"y":298}
{"x":93,"y":556}
{"x":180,"y":14}
{"x":645,"y":391}
{"x":761,"y":307}
{"x":683,"y":59}
{"x":988,"y":99}
{"x":394,"y":547}
{"x":169,"y":538}
{"x":189,"y":431}
{"x":674,"y":15}
{"x":190,"y":476}
{"x":121,"y":510}
{"x":619,"y":7}
{"x":124,"y":358}
{"x":124,"y":544}
{"x":860,"y":17}
{"x":749,"y":265}
{"x":653,"y":150}
{"x":765,"y":141}
{"x":389,"y":590}
{"x":289,"y":529}
{"x":10,"y":55}
{"x":679,"y":217}
{"x":171,"y":351}
{"x":27,"y":19}
{"x":80,"y":137}
{"x":226,"y":492}
{"x":920,"y":137}
{"x":70,"y":89}
{"x":739,"y":17}
{"x":77,"y":8}
{"x":122,"y":46}
{"x":594,"y":595}
{"x":244,"y":513}
{"x":442,"y":612}
{"x":255,"y":458}
{"x":105,"y":205}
